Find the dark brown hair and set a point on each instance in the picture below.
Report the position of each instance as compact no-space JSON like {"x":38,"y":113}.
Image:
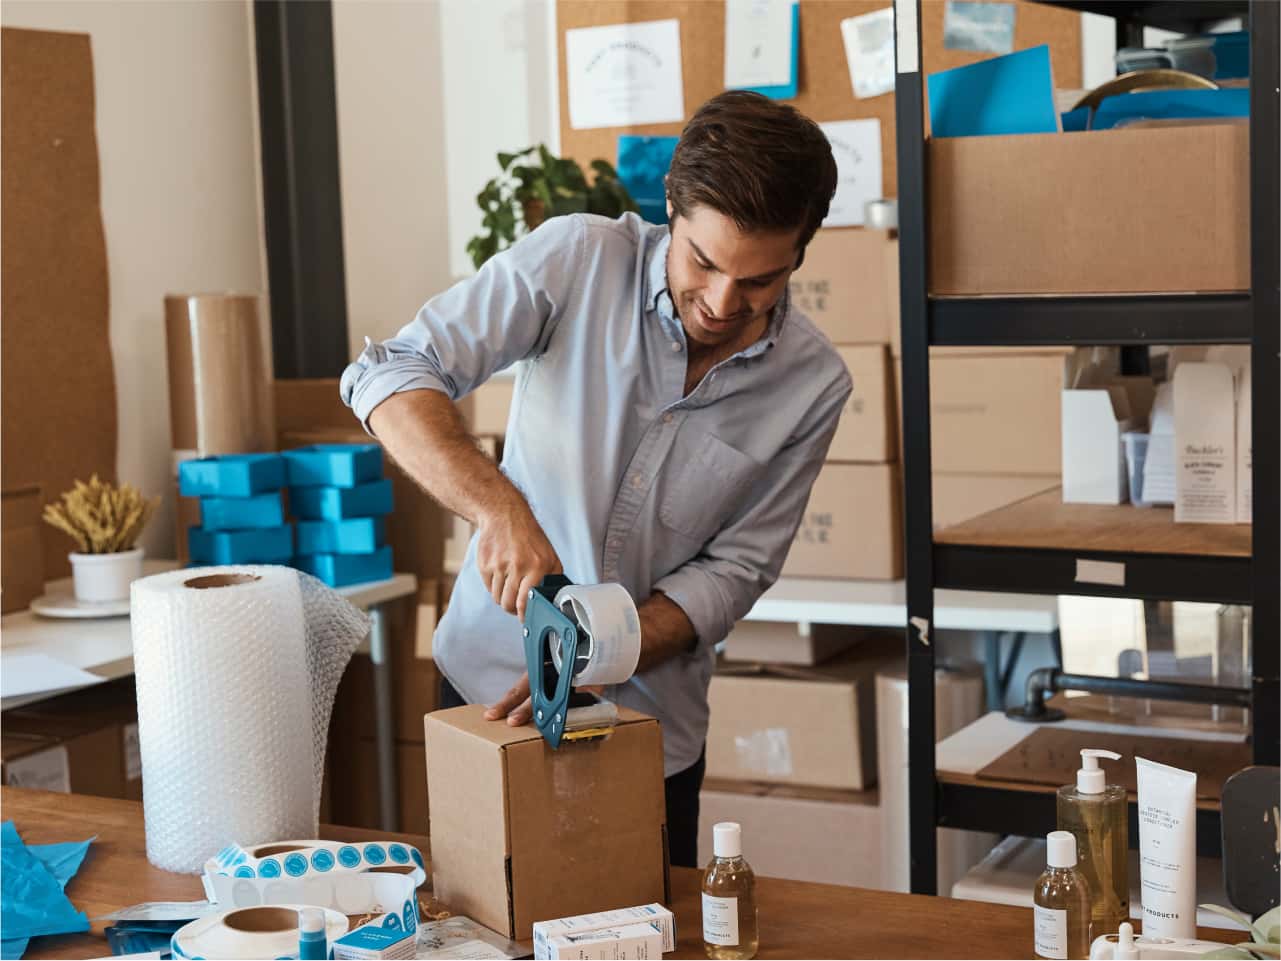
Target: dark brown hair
{"x":761,"y":163}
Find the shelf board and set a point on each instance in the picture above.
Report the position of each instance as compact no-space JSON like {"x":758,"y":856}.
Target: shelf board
{"x":1041,"y":545}
{"x":1181,"y":16}
{"x":1046,"y":321}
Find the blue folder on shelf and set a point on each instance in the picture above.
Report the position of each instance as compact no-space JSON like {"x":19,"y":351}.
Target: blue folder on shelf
{"x":1013,"y":94}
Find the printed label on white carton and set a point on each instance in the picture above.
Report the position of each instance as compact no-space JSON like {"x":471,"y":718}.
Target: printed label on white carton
{"x":1050,"y":934}
{"x":720,"y":920}
{"x":45,"y":771}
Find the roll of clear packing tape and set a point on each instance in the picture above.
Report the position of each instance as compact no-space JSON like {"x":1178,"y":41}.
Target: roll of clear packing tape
{"x":236,"y":670}
{"x":608,"y":615}
{"x":881,"y":214}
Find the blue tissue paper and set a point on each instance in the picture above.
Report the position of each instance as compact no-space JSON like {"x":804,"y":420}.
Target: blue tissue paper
{"x":1160,"y":105}
{"x":1013,"y":94}
{"x":32,"y":901}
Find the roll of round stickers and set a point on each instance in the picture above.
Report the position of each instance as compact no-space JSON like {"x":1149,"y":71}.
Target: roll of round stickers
{"x":264,"y":932}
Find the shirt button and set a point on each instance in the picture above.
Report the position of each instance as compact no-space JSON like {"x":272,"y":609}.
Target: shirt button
{"x":676,"y":346}
{"x":638,"y":481}
{"x":668,"y":418}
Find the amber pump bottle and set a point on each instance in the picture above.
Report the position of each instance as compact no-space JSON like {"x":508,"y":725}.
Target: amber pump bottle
{"x":1097,"y":816}
{"x":729,"y":898}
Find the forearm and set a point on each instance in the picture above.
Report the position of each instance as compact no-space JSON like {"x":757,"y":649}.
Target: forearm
{"x":666,"y":631}
{"x":424,"y":434}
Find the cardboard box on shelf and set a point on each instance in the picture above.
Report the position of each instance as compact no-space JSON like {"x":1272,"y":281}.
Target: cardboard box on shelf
{"x":958,"y":497}
{"x":996,"y":413}
{"x":848,"y":285}
{"x":510,"y":844}
{"x":775,"y":642}
{"x":852,"y":527}
{"x":806,"y":726}
{"x":354,"y":795}
{"x":21,"y":548}
{"x":99,"y":727}
{"x":788,"y":831}
{"x":866,"y":432}
{"x":28,"y":760}
{"x":998,"y":204}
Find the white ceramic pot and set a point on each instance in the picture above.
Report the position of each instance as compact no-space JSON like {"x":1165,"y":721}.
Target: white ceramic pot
{"x":105,"y":577}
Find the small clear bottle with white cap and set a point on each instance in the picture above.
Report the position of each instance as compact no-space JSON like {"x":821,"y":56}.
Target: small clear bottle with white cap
{"x":729,"y":897}
{"x":1096,"y":814}
{"x":1061,"y":902}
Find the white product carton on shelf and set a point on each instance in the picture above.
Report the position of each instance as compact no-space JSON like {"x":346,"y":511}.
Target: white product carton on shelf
{"x":1158,"y":468}
{"x":1096,"y":411}
{"x":547,"y":931}
{"x":1205,"y":457}
{"x":1245,"y":462}
{"x":631,"y":942}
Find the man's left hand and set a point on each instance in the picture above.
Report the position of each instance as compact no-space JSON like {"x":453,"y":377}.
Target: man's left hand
{"x":514,"y":705}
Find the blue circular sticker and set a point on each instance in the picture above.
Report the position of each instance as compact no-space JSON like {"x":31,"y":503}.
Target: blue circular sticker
{"x":375,"y":854}
{"x":392,"y":921}
{"x":399,"y":854}
{"x":322,"y":859}
{"x":269,"y":868}
{"x":418,"y":858}
{"x":296,"y":865}
{"x":348,"y":856}
{"x":244,"y":871}
{"x":411,"y":916}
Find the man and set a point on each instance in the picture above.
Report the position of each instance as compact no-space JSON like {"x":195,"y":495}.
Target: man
{"x":670,"y":415}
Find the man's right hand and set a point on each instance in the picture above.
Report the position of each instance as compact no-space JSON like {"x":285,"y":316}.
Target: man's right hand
{"x":513,"y":556}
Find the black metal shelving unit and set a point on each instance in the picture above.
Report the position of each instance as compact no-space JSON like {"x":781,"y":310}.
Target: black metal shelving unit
{"x":1252,"y":317}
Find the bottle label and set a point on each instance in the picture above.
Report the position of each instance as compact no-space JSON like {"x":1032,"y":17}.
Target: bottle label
{"x":720,"y":920}
{"x":1050,"y":931}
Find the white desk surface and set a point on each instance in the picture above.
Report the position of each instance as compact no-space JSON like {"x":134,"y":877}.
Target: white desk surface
{"x":977,"y":745}
{"x":104,"y":646}
{"x":884,"y":604}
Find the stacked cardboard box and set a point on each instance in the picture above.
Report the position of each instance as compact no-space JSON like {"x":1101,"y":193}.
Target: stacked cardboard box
{"x":353,"y":754}
{"x":85,"y":742}
{"x":852,"y":527}
{"x":792,"y":746}
{"x":21,"y":548}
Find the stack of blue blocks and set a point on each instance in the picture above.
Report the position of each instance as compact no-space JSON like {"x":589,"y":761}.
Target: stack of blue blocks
{"x":339,"y":497}
{"x":242,"y":513}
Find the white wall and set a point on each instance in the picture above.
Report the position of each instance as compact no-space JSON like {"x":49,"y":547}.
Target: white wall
{"x":428,"y":92}
{"x":176,"y":124}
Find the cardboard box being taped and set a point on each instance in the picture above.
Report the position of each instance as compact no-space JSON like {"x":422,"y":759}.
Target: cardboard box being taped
{"x":521,"y":833}
{"x":808,"y":726}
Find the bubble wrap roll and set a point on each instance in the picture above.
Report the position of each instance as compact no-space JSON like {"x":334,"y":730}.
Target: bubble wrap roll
{"x":236,"y":669}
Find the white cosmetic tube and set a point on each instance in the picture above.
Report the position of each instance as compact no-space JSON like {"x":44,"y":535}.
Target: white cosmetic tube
{"x":1167,"y":849}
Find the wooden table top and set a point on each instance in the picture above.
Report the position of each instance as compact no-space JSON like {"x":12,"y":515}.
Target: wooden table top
{"x":797,"y":919}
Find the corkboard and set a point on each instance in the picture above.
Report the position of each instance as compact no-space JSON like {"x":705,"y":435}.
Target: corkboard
{"x":824,"y":80}
{"x":58,"y":395}
{"x":1051,"y":756}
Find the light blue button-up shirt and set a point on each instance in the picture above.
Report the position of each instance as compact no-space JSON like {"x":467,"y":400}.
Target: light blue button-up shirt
{"x":697,"y":496}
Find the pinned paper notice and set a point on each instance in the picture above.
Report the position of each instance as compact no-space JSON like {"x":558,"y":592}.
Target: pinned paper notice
{"x":856,"y":144}
{"x":869,"y":52}
{"x":762,"y":43}
{"x":982,"y":27}
{"x":625,"y":74}
{"x":36,"y":673}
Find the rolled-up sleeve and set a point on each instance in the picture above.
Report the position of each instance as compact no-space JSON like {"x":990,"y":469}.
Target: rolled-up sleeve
{"x":460,"y":338}
{"x":719,"y":586}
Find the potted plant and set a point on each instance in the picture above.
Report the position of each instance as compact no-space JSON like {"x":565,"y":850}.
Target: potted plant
{"x":105,"y":521}
{"x":534,"y":185}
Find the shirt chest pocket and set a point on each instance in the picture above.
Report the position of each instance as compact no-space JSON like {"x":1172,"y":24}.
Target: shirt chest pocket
{"x":706,"y":481}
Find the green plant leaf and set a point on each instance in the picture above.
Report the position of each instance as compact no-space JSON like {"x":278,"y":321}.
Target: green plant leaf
{"x":1236,"y":916}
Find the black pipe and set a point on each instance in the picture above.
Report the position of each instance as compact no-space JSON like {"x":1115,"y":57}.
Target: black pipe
{"x":1045,"y":681}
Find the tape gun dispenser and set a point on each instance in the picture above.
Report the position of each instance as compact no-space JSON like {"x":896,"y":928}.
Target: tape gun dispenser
{"x":577,"y":634}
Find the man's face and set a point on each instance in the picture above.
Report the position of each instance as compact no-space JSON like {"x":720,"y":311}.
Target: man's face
{"x":724,"y":281}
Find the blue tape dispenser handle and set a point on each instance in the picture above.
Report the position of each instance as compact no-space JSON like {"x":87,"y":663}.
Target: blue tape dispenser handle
{"x":549,"y":688}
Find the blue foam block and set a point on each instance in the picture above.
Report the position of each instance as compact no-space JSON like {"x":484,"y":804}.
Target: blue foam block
{"x":357,"y":535}
{"x":334,"y":465}
{"x":264,"y":545}
{"x":231,"y":475}
{"x":339,"y":570}
{"x":340,"y":503}
{"x":239,"y":513}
